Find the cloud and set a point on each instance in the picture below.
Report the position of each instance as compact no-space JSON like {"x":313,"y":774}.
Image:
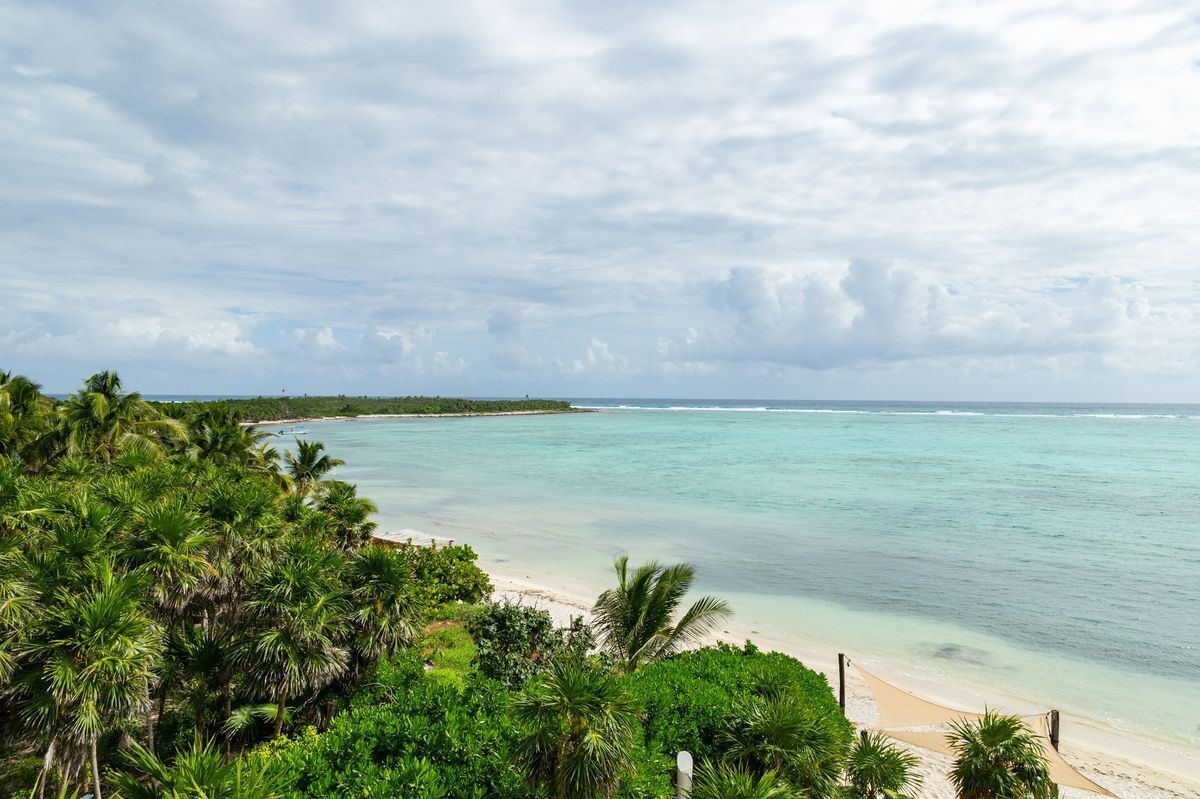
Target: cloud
{"x":597,"y":357}
{"x":872,"y":313}
{"x":547,"y":193}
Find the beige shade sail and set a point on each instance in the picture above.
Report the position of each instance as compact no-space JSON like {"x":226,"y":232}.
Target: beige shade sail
{"x":899,"y":708}
{"x":1060,"y":770}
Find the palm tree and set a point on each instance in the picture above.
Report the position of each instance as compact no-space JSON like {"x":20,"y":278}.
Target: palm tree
{"x":218,"y":435}
{"x":998,"y":757}
{"x":89,"y":665}
{"x":167,"y":542}
{"x":385,"y":612}
{"x":721,"y":781}
{"x":197,"y":773}
{"x":296,"y":626}
{"x":308,"y":465}
{"x":634,"y":619}
{"x":878,"y":769}
{"x":349,"y":515}
{"x":578,"y":728}
{"x":782,"y":734}
{"x":25,"y":415}
{"x":100,"y":418}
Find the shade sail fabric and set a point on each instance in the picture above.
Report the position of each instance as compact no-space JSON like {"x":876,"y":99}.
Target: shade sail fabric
{"x":1060,"y":770}
{"x":899,"y":708}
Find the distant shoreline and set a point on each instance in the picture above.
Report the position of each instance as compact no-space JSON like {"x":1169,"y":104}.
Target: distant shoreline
{"x":458,"y":415}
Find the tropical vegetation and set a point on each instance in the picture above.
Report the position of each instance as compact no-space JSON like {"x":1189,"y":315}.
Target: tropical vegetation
{"x":186,"y":612}
{"x":268,"y":409}
{"x":998,"y":757}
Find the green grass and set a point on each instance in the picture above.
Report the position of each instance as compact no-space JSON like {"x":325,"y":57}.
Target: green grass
{"x":448,"y":645}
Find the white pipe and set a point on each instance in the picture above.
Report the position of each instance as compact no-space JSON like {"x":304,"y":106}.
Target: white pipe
{"x":683,"y":775}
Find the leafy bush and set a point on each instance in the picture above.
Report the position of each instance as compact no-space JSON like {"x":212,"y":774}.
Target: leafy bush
{"x":446,"y":574}
{"x":515,"y":641}
{"x":430,"y":741}
{"x":691,"y":697}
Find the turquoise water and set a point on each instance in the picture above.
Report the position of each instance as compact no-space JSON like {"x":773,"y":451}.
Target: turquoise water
{"x":1051,"y":551}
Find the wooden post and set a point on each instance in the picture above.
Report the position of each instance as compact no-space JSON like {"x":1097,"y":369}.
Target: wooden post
{"x":842,"y":682}
{"x":1054,"y":729}
{"x":683,"y":775}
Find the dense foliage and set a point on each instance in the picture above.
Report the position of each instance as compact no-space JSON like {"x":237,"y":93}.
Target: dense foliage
{"x":421,"y":738}
{"x":446,"y":573}
{"x":176,"y":599}
{"x":168,"y":578}
{"x":690,"y":698}
{"x":514,"y":642}
{"x":263,"y":409}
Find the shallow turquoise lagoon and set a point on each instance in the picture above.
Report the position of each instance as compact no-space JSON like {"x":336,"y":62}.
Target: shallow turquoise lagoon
{"x":1049,"y":550}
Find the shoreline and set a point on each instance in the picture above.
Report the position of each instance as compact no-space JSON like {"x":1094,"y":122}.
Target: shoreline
{"x":1131,"y":765}
{"x":463,"y":415}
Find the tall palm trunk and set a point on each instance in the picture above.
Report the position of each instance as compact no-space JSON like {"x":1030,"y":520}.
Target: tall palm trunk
{"x":95,"y":772}
{"x":279,"y":712}
{"x":47,"y":765}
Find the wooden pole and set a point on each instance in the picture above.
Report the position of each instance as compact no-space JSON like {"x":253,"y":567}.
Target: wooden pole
{"x":1054,"y":729}
{"x":842,"y":682}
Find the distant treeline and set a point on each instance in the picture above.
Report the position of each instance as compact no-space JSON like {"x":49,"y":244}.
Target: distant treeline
{"x":273,"y":408}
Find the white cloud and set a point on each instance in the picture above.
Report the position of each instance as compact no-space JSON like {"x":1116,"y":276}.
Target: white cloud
{"x":872,"y":313}
{"x":183,"y":187}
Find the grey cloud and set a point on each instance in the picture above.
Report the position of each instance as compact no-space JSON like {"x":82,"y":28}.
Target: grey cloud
{"x":471,"y":199}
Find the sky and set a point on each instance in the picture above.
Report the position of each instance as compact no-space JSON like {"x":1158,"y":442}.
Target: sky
{"x":862,"y":200}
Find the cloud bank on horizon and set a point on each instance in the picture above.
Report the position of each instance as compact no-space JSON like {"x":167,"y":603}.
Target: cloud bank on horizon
{"x":759,"y":199}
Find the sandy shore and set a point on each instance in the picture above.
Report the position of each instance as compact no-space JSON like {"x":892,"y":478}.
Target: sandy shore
{"x":1131,"y":767}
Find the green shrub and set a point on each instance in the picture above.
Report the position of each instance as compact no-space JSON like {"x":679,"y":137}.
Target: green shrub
{"x":515,"y":642}
{"x":444,"y":574}
{"x":429,"y":741}
{"x":691,"y":697}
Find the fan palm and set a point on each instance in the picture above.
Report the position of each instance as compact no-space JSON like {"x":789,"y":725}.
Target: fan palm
{"x":349,"y":515}
{"x":385,"y":611}
{"x":197,"y":773}
{"x":782,"y":734}
{"x":167,"y":542}
{"x":578,"y":726}
{"x":100,"y":418}
{"x":998,"y":757}
{"x":308,"y":465}
{"x":878,"y":769}
{"x":635,"y":618}
{"x":296,"y":626}
{"x":219,"y":436}
{"x":89,"y":664}
{"x":721,"y":781}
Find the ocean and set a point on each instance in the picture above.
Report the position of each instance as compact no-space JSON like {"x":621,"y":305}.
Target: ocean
{"x":1050,"y":550}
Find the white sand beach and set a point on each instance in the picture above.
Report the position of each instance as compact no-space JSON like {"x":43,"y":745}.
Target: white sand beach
{"x":1131,"y":767}
{"x":463,"y":415}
